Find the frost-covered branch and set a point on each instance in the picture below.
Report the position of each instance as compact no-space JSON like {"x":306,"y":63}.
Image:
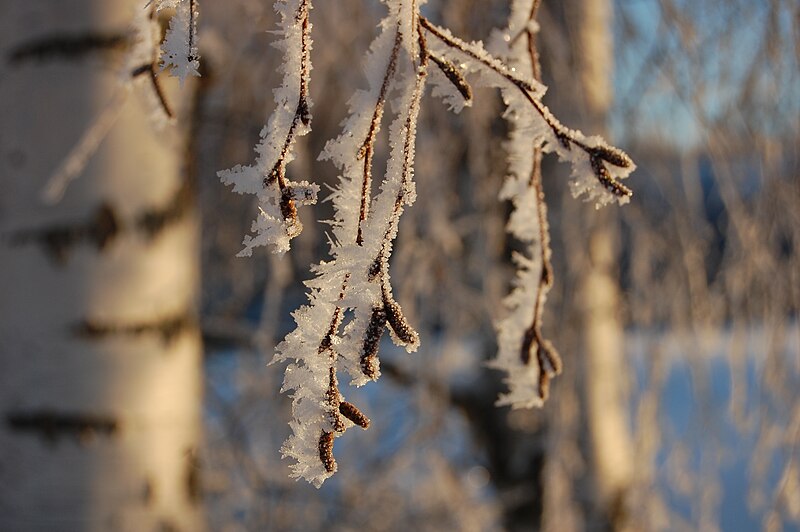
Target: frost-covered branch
{"x":592,"y":152}
{"x":278,"y":197}
{"x":354,"y":288}
{"x":528,"y":359}
{"x":367,"y":149}
{"x":350,"y":299}
{"x":528,"y":377}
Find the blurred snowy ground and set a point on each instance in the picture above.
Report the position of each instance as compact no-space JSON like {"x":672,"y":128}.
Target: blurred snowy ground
{"x":712,"y":444}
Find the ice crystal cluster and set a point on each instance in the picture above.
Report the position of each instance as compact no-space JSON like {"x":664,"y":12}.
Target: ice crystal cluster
{"x":350,"y":299}
{"x":179,"y":48}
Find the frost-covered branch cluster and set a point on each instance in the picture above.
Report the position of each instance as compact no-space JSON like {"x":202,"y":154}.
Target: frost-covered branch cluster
{"x":351,"y":301}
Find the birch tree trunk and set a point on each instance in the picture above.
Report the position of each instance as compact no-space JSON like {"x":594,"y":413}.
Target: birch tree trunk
{"x":100,"y":375}
{"x":606,"y":396}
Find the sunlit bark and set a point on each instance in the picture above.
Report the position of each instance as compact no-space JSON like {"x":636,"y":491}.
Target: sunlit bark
{"x":99,"y":352}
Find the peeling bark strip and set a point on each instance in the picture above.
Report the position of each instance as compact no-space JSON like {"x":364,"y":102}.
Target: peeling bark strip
{"x":51,"y":425}
{"x":66,"y":46}
{"x":58,"y":240}
{"x":168,"y":328}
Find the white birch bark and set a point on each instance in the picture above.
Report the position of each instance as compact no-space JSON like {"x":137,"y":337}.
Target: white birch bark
{"x":100,"y":375}
{"x":607,"y":401}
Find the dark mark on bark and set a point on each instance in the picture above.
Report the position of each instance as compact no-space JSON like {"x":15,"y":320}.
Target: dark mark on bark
{"x":168,"y":328}
{"x":52,"y":425}
{"x":193,"y":484}
{"x":148,"y":492}
{"x":167,"y":526}
{"x":154,"y":221}
{"x":66,"y":46}
{"x":58,"y":240}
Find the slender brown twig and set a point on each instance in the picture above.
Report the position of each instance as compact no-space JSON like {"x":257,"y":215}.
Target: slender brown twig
{"x":368,"y":147}
{"x":150,"y":70}
{"x":191,"y":32}
{"x":546,"y":356}
{"x":390,"y":312}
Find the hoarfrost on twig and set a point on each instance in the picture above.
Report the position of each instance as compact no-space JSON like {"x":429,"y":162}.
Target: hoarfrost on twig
{"x":350,"y":299}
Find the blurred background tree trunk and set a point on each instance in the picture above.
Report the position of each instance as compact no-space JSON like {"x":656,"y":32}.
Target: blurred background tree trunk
{"x":100,"y":355}
{"x":611,"y":448}
{"x":591,"y":418}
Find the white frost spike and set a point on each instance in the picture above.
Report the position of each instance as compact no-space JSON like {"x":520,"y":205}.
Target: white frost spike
{"x":179,"y":49}
{"x":269,"y":230}
{"x":522,"y":379}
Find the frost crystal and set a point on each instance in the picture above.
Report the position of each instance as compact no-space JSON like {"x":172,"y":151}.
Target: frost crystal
{"x":179,"y":49}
